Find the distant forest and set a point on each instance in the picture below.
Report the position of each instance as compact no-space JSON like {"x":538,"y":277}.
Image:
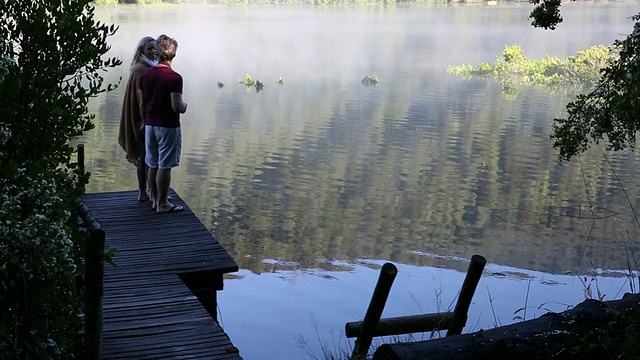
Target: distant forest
{"x":282,"y":2}
{"x":148,"y":2}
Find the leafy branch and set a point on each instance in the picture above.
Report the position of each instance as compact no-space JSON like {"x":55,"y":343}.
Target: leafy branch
{"x":610,"y":111}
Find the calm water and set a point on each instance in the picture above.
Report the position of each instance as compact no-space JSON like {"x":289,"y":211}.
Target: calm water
{"x":312,"y":185}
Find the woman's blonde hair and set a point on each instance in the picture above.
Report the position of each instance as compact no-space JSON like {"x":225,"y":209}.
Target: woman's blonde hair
{"x":141,"y":44}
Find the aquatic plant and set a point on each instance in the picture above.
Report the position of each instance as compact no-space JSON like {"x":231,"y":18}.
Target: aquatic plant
{"x":248,"y":81}
{"x":513,"y":70}
{"x":370,"y":80}
{"x":252,"y":83}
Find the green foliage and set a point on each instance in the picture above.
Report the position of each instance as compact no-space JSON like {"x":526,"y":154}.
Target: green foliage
{"x":51,"y":57}
{"x":248,"y":81}
{"x":57,"y":47}
{"x":514,"y":70}
{"x":609,"y":112}
{"x":370,"y":80}
{"x":106,"y":2}
{"x":546,"y":14}
{"x":618,"y":340}
{"x":39,"y":263}
{"x":251,"y":82}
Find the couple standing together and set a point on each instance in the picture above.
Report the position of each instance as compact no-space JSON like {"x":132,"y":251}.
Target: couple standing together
{"x":150,"y":121}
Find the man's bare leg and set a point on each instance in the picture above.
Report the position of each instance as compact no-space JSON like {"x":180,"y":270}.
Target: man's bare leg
{"x":152,"y":178}
{"x":143,"y":186}
{"x":163,"y":182}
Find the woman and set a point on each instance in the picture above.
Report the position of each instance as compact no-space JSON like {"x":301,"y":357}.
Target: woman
{"x":131,"y":135}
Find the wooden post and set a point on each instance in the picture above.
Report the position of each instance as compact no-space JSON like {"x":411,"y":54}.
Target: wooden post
{"x":93,"y":286}
{"x":388,"y":274}
{"x":205,"y":285}
{"x":81,"y":157}
{"x":80,"y":171}
{"x":466,"y":294}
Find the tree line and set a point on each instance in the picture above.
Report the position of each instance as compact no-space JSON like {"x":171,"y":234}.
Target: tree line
{"x":274,"y":2}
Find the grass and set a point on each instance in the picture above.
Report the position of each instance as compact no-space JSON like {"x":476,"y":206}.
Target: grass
{"x":616,"y":341}
{"x":334,"y":351}
{"x":342,"y":349}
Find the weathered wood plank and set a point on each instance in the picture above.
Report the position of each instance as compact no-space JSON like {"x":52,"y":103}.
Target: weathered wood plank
{"x":148,"y":311}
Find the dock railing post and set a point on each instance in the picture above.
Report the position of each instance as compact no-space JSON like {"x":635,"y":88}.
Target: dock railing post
{"x":388,"y":274}
{"x":466,"y":294}
{"x":80,"y":171}
{"x":81,"y":157}
{"x":93,"y":285}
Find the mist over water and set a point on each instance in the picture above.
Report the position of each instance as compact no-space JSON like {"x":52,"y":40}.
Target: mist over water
{"x":312,"y":185}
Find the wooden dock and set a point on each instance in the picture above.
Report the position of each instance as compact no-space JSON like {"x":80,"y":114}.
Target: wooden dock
{"x":160,"y":299}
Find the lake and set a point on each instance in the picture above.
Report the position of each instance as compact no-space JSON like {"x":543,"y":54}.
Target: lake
{"x":315,"y":181}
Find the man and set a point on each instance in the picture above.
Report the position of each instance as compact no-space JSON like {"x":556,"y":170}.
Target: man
{"x":161,"y":93}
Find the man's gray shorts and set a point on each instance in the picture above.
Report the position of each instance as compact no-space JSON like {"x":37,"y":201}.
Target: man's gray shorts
{"x":163,"y":146}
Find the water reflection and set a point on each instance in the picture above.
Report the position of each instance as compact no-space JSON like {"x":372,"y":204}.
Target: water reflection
{"x":303,"y":330}
{"x":300,"y":182}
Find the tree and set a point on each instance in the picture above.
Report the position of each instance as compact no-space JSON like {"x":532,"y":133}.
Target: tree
{"x":608,"y":113}
{"x":51,"y":59}
{"x":546,"y":14}
{"x":56,"y":48}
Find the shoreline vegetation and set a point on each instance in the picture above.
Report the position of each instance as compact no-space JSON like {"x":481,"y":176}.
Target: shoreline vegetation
{"x":312,"y":2}
{"x":296,"y":2}
{"x":514,"y":70}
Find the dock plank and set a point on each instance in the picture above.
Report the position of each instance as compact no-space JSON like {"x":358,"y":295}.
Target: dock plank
{"x":148,"y":312}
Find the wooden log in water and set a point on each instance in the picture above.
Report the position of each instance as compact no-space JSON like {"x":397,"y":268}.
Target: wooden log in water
{"x":404,"y":324}
{"x":548,"y":336}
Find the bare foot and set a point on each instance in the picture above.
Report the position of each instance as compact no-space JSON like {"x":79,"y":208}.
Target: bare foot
{"x":170,"y":209}
{"x":142,"y":195}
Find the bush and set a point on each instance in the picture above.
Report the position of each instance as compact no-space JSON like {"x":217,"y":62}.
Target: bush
{"x":514,"y":69}
{"x":51,"y":57}
{"x":39,"y":263}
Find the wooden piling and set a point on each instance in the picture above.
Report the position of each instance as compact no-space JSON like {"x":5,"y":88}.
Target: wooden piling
{"x":93,"y":286}
{"x":466,"y":294}
{"x":388,"y":274}
{"x":80,"y":171}
{"x":80,"y":148}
